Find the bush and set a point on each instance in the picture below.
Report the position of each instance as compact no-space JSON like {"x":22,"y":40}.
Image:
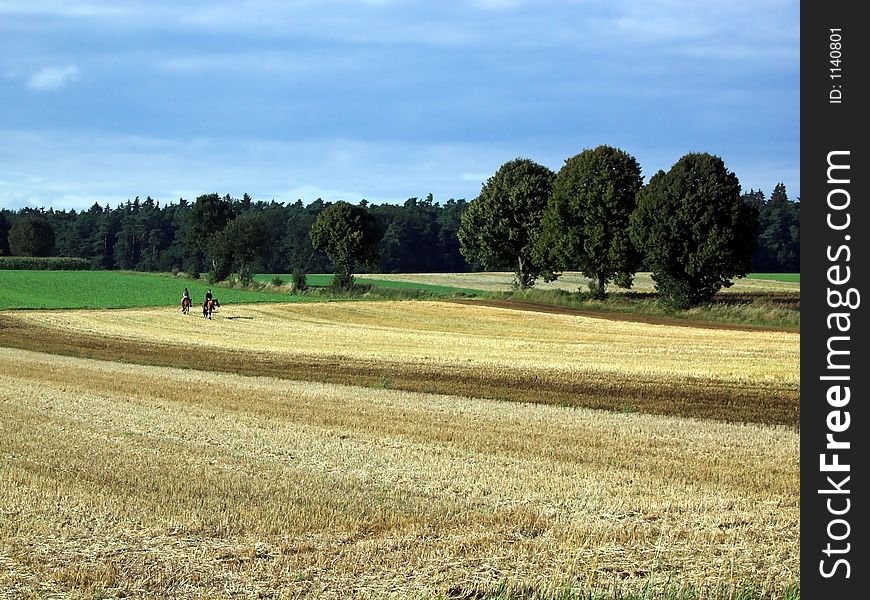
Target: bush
{"x":193,"y":269}
{"x":246,"y":276}
{"x":44,"y":263}
{"x":342,"y":280}
{"x":277,"y":281}
{"x":300,"y":280}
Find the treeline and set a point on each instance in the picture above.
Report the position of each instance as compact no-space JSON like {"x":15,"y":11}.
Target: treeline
{"x":778,"y":238}
{"x":418,"y":235}
{"x":689,"y":226}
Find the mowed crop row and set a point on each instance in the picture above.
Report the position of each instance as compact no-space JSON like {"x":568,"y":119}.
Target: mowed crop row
{"x":152,"y":481}
{"x":443,"y":347}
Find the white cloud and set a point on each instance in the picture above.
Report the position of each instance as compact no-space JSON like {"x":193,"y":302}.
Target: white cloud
{"x":52,"y":78}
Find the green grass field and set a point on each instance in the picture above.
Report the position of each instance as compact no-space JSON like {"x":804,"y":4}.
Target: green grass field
{"x":325,"y":279}
{"x":111,"y":289}
{"x":795,"y":277}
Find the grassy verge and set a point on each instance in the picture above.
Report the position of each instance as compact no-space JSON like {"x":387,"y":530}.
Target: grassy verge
{"x":766,"y":310}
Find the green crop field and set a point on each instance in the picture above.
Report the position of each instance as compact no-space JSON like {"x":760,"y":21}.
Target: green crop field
{"x":110,"y":289}
{"x":325,"y":279}
{"x":795,"y":277}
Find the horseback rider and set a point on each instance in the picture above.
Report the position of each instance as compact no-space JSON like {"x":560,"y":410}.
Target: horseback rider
{"x":208,"y":295}
{"x":185,"y":295}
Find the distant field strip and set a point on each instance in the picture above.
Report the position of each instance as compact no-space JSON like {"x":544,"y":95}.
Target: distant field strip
{"x":322,"y":280}
{"x":796,"y":277}
{"x":452,"y":348}
{"x":570,"y":281}
{"x":151,"y":481}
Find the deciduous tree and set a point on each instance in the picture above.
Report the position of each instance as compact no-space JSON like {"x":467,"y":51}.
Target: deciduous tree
{"x":349,"y":235}
{"x":586,"y":223}
{"x":694,"y":230}
{"x":240,"y":244}
{"x":501,"y":225}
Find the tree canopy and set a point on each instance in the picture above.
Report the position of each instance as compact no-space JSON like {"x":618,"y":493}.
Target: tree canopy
{"x":4,"y":234}
{"x":778,"y":240}
{"x":243,"y":242}
{"x":586,"y":224}
{"x":349,"y":235}
{"x":694,"y":229}
{"x":501,"y":225}
{"x":32,"y":235}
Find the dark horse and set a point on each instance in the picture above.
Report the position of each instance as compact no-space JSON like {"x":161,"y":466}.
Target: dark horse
{"x":185,"y":305}
{"x":209,"y":306}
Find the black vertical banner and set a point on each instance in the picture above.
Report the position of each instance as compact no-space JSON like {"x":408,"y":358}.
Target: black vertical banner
{"x":835,"y":369}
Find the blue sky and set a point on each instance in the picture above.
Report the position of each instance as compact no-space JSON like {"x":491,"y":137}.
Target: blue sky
{"x":381,"y":99}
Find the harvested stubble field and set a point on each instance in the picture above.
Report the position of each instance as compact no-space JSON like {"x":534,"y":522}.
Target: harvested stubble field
{"x":730,"y":374}
{"x":154,"y":480}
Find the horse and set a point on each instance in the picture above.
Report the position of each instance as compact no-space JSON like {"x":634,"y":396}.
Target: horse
{"x":209,"y":306}
{"x":185,"y":305}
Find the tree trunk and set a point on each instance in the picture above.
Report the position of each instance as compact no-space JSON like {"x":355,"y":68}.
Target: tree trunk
{"x":522,"y":281}
{"x":602,"y":284}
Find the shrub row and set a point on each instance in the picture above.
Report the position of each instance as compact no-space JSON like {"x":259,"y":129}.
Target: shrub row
{"x":44,"y":263}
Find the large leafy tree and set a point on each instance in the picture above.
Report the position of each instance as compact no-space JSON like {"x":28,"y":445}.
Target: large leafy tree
{"x":206,"y":218}
{"x":31,"y":235}
{"x":501,"y":225}
{"x":586,"y":223}
{"x":349,"y":235}
{"x":244,"y":241}
{"x":694,"y":229}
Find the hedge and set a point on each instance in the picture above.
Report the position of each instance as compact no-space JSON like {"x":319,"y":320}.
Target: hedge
{"x":44,"y":263}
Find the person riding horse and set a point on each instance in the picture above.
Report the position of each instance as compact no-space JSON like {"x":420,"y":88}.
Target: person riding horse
{"x":185,"y":301}
{"x":209,"y":304}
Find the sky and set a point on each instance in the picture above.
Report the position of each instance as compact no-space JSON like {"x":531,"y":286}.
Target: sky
{"x":382,"y":99}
